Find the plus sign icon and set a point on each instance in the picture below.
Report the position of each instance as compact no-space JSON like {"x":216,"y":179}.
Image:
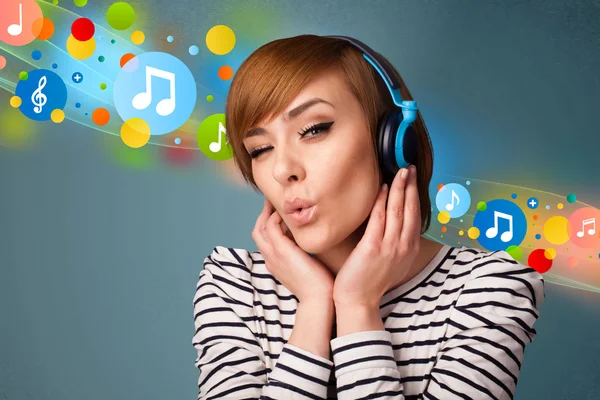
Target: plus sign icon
{"x":532,"y":203}
{"x":77,"y":77}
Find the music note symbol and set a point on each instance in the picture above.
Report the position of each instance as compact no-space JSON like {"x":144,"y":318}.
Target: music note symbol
{"x":215,"y":147}
{"x":165,"y":106}
{"x":591,"y":231}
{"x":38,"y":98}
{"x":17,"y":29}
{"x":450,"y":206}
{"x":493,"y":231}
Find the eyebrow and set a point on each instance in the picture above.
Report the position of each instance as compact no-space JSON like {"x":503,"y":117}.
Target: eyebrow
{"x":290,"y":114}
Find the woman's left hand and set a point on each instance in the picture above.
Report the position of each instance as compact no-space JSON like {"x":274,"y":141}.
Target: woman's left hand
{"x":389,"y":246}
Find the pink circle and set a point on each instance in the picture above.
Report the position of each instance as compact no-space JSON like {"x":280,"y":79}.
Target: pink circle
{"x":584,"y":226}
{"x":572,"y":261}
{"x":2,"y":62}
{"x":17,"y":22}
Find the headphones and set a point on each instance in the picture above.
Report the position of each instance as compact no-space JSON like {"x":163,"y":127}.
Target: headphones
{"x":396,"y":136}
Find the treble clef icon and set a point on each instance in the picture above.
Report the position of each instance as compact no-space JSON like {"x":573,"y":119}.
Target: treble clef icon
{"x":38,"y":98}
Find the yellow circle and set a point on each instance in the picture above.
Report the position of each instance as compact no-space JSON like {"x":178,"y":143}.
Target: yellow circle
{"x":556,"y":230}
{"x":461,"y":232}
{"x":15,"y":102}
{"x":135,"y":132}
{"x":57,"y":116}
{"x":80,"y":50}
{"x":560,"y":206}
{"x":444,"y":217}
{"x":138,"y":37}
{"x":550,"y":253}
{"x":473,"y":233}
{"x":220,"y":39}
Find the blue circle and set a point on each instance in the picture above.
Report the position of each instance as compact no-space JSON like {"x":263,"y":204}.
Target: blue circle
{"x":453,"y":198}
{"x":77,"y":77}
{"x":538,"y":236}
{"x":77,"y":105}
{"x":502,"y":224}
{"x":548,"y":207}
{"x":468,"y":183}
{"x":163,"y":108}
{"x":55,"y":65}
{"x":514,"y":195}
{"x":36,"y":54}
{"x":43,"y":91}
{"x":193,"y":50}
{"x":86,"y":113}
{"x":177,"y":140}
{"x":532,"y":203}
{"x":169,"y":38}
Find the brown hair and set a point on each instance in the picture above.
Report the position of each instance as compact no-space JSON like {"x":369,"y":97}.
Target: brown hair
{"x":273,"y":75}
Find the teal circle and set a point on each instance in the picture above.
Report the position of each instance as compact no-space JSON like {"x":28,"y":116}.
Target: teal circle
{"x":210,"y":131}
{"x":101,"y":58}
{"x":571,"y":198}
{"x":120,"y":15}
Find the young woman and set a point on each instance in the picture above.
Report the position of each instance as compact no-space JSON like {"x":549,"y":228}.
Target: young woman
{"x":345,"y":299}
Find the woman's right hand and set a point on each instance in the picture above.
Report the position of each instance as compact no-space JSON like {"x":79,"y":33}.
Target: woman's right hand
{"x":307,"y":278}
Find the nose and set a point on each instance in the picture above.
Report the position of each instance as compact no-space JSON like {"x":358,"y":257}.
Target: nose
{"x":288,"y":166}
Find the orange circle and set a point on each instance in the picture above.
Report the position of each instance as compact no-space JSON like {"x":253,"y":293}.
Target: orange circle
{"x":100,"y":116}
{"x":440,"y":186}
{"x":125,"y":58}
{"x":444,"y":229}
{"x":535,"y":217}
{"x":225,"y":72}
{"x":44,"y":28}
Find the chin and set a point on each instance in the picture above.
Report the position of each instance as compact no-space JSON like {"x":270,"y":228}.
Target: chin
{"x":313,"y":239}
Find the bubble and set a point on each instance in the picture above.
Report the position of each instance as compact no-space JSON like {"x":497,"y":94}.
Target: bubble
{"x":80,"y":50}
{"x":83,"y":29}
{"x":138,"y":37}
{"x":193,"y":50}
{"x":461,"y":232}
{"x":535,"y":217}
{"x":77,"y":105}
{"x":225,"y":72}
{"x":440,"y":186}
{"x":538,"y":236}
{"x":547,"y":206}
{"x":177,"y":140}
{"x":57,"y":116}
{"x":120,"y":15}
{"x":210,"y":98}
{"x":101,"y":58}
{"x":100,"y":116}
{"x":102,"y":86}
{"x":468,"y":183}
{"x":113,"y":41}
{"x":550,"y":253}
{"x":135,"y":132}
{"x":444,"y":217}
{"x":572,"y":261}
{"x":80,"y":3}
{"x":170,"y":39}
{"x":220,"y":39}
{"x":556,"y":230}
{"x":514,"y":195}
{"x":44,"y":28}
{"x":473,"y":233}
{"x":23,"y":75}
{"x":444,"y":229}
{"x":515,"y":252}
{"x":36,"y":54}
{"x":55,"y":2}
{"x":560,"y":206}
{"x":538,"y":261}
{"x":125,"y":59}
{"x":15,"y":102}
{"x":482,"y":206}
{"x":571,"y":198}
{"x":2,"y":62}
{"x":55,"y":65}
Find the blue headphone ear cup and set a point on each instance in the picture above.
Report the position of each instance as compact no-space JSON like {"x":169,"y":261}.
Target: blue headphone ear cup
{"x":386,"y":131}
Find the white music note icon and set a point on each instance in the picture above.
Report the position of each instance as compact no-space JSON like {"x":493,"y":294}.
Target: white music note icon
{"x":590,"y":231}
{"x":165,"y":106}
{"x":38,"y":98}
{"x":17,"y":29}
{"x":450,"y":206}
{"x":493,"y":231}
{"x":215,"y":147}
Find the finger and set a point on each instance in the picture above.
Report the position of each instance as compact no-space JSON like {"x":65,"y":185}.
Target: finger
{"x":258,"y":234}
{"x":376,"y":224}
{"x":395,"y":208}
{"x":412,"y":220}
{"x":275,"y":234}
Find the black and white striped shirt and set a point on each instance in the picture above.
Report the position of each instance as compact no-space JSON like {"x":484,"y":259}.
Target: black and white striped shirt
{"x":457,"y":330}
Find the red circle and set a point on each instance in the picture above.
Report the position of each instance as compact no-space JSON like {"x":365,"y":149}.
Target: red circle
{"x":83,"y":29}
{"x":538,"y":261}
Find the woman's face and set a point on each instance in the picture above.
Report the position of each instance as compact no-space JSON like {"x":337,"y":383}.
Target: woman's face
{"x":333,"y":166}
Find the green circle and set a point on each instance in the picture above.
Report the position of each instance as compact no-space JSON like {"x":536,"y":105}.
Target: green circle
{"x":571,"y":198}
{"x":482,"y":206}
{"x":103,"y":86}
{"x":209,"y":132}
{"x":23,"y":75}
{"x":55,"y":2}
{"x":515,"y":252}
{"x":120,"y":15}
{"x":80,"y":3}
{"x":101,"y":58}
{"x":210,"y":98}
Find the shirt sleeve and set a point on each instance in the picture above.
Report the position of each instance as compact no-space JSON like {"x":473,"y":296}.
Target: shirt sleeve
{"x":230,"y":359}
{"x":483,"y":349}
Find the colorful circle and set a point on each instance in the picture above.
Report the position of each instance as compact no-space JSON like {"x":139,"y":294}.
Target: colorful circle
{"x":80,"y":50}
{"x":453,"y":198}
{"x":443,"y":217}
{"x":77,"y":77}
{"x":538,"y":261}
{"x":135,"y":132}
{"x":556,"y":230}
{"x":57,"y":116}
{"x":473,"y":233}
{"x":138,"y":37}
{"x":571,"y":198}
{"x":23,"y":75}
{"x":103,"y":86}
{"x":502,"y":224}
{"x":80,"y":3}
{"x":83,"y":29}
{"x":2,"y":62}
{"x":36,"y":54}
{"x":120,"y":16}
{"x":220,"y":39}
{"x":44,"y":27}
{"x":170,"y":39}
{"x":225,"y":72}
{"x":125,"y":59}
{"x":100,"y":116}
{"x":584,"y":227}
{"x":193,"y":50}
{"x":212,"y":138}
{"x":42,"y":92}
{"x":481,"y":206}
{"x":15,"y":101}
{"x":101,"y":58}
{"x":210,"y":98}
{"x":515,"y":252}
{"x":532,"y":203}
{"x":21,"y":22}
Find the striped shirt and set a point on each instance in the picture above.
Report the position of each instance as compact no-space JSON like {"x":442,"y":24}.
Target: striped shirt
{"x":457,"y":330}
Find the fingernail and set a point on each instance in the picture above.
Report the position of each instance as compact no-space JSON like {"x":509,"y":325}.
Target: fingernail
{"x":385,"y":187}
{"x":404,"y":171}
